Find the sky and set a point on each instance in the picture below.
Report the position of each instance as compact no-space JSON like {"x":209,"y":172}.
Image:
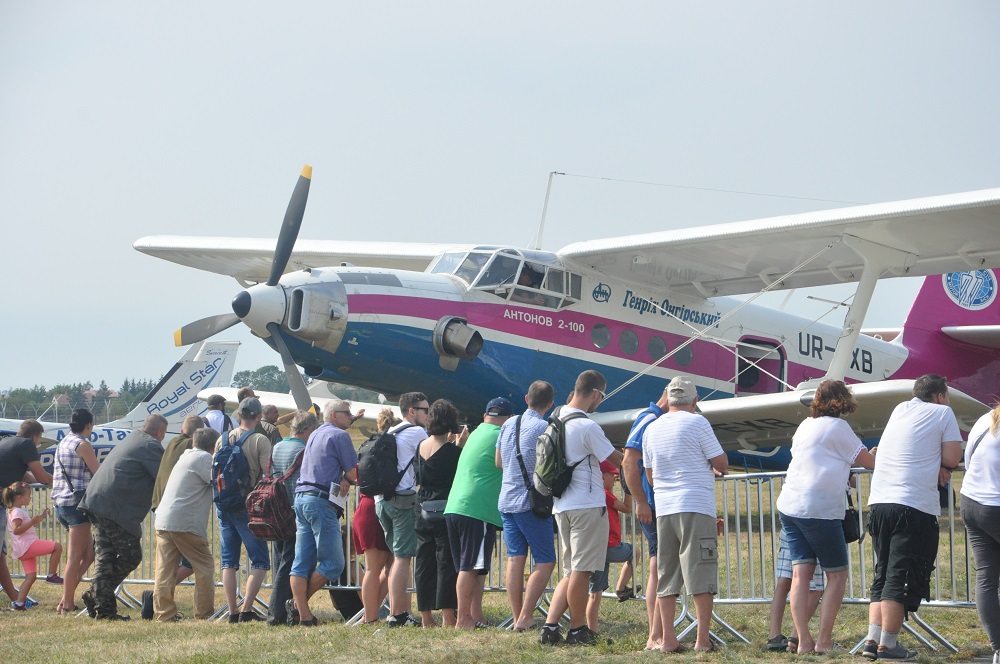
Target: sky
{"x":440,"y":121}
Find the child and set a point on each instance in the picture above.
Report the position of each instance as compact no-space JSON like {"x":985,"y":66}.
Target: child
{"x":618,"y":551}
{"x":25,"y":544}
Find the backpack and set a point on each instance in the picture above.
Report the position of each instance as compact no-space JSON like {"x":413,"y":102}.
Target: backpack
{"x":377,"y":463}
{"x":231,"y":476}
{"x":269,"y":508}
{"x":552,"y":475}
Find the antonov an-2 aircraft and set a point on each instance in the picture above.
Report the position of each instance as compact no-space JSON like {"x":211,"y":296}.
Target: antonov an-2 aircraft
{"x":470,"y":323}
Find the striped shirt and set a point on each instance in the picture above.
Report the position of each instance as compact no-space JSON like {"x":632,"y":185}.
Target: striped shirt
{"x":68,"y":462}
{"x":282,"y":457}
{"x":677,"y":448}
{"x":513,"y":491}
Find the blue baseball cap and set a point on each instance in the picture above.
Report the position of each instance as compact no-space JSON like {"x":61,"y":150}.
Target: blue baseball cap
{"x":499,"y":407}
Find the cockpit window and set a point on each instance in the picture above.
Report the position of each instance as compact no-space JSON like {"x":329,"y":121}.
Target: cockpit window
{"x":522,"y":277}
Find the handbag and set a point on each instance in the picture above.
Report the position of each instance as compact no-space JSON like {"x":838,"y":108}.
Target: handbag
{"x":853,"y":532}
{"x":541,"y":506}
{"x":431,"y":511}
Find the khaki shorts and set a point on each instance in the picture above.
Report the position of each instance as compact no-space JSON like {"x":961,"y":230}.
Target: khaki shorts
{"x":686,"y":546}
{"x":583,"y":536}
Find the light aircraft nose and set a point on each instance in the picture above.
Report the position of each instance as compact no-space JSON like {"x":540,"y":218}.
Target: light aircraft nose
{"x":259,"y":305}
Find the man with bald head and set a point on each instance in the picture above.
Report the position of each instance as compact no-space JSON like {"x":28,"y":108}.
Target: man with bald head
{"x":118,"y":498}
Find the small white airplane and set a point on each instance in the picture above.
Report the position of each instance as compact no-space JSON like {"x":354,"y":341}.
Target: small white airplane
{"x":175,"y":397}
{"x":470,"y":323}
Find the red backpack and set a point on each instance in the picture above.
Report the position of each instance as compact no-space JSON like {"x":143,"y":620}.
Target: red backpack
{"x":271,"y":516}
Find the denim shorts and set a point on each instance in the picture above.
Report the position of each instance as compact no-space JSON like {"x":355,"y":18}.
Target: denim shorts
{"x":522,"y":530}
{"x":319,"y":544}
{"x":70,"y":517}
{"x":783,"y":565}
{"x":649,"y":530}
{"x":616,"y":554}
{"x":812,"y":539}
{"x":234,"y":530}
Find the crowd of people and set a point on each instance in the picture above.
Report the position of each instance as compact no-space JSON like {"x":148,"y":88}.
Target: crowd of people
{"x":436,"y":522}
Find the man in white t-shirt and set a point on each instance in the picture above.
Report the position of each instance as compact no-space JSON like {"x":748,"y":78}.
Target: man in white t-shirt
{"x":919,"y":448}
{"x":581,"y":512}
{"x":398,"y":515}
{"x":216,"y":416}
{"x":682,"y":457}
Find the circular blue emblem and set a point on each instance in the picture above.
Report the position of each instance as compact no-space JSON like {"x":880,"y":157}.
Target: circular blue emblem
{"x":602,"y":293}
{"x":971,"y":290}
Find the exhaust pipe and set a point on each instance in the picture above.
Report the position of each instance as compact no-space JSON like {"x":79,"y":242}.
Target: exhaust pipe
{"x":454,"y":341}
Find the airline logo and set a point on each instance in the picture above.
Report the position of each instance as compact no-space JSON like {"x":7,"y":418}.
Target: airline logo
{"x":602,"y":293}
{"x":971,"y":290}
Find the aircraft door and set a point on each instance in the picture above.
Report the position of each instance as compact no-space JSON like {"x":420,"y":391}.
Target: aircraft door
{"x":760,"y":367}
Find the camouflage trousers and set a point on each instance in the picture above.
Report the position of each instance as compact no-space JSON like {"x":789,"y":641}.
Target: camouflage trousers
{"x":117,"y":554}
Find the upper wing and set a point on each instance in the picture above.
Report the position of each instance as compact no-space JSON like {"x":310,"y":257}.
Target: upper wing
{"x":249,"y":259}
{"x":933,"y":235}
{"x":767,"y":420}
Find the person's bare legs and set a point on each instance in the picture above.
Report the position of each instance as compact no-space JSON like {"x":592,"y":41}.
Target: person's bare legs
{"x":833,"y":595}
{"x":55,"y":558}
{"x":229,"y":588}
{"x":538,"y":581}
{"x":593,"y":609}
{"x":559,"y":604}
{"x":667,"y":607}
{"x":182,"y":573}
{"x":79,"y":558}
{"x":703,"y":612}
{"x":799,"y":598}
{"x":514,"y":578}
{"x":5,"y":581}
{"x":399,"y":580}
{"x":653,"y":608}
{"x":302,"y":590}
{"x":254,"y":581}
{"x":781,"y":587}
{"x":577,"y":593}
{"x":372,"y":595}
{"x":465,"y":588}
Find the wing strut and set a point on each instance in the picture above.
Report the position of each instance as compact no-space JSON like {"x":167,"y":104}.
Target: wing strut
{"x":878,"y":259}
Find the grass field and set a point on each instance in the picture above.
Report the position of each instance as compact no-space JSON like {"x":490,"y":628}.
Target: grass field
{"x":41,"y":635}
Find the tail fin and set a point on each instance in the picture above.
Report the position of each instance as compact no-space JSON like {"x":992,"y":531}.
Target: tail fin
{"x":955,"y":301}
{"x":209,"y":364}
{"x":953,"y":329}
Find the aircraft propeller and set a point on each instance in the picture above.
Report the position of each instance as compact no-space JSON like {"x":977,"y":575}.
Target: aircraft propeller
{"x":269,"y":294}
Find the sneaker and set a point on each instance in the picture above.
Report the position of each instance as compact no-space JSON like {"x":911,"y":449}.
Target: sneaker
{"x":250,"y":616}
{"x":18,"y":607}
{"x":90,"y":603}
{"x":549,"y":635}
{"x":292,"y":613}
{"x":54,"y":579}
{"x":870,"y":650}
{"x":312,"y":622}
{"x":778,"y":643}
{"x":29,"y":603}
{"x":234,"y":618}
{"x":897,"y":652}
{"x":581,"y":636}
{"x":401,"y":620}
{"x":112,"y":616}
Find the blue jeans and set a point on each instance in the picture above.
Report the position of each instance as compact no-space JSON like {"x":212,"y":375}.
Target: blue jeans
{"x":318,"y":543}
{"x":812,"y":539}
{"x":619,"y":553}
{"x":234,"y":530}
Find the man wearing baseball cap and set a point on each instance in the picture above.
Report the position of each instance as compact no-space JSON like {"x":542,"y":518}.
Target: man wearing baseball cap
{"x":472,"y":514}
{"x":216,"y":416}
{"x":234,"y":528}
{"x":682,"y":456}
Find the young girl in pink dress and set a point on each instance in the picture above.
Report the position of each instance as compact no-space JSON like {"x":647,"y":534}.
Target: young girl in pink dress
{"x":25,"y":544}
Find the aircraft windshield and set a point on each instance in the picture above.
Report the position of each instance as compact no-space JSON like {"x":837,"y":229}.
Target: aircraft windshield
{"x":521,"y":277}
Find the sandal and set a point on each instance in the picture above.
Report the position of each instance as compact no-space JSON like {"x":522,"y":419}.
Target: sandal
{"x":793,"y":644}
{"x":777,"y":644}
{"x":626,"y":594}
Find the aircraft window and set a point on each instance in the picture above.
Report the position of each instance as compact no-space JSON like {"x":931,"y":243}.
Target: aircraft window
{"x":656,"y":348}
{"x":471,"y":265}
{"x":555,"y":281}
{"x":373,"y":279}
{"x":500,"y":272}
{"x":575,"y":282}
{"x":684,"y":356}
{"x":446,"y":263}
{"x":629,"y":342}
{"x":600,"y":335}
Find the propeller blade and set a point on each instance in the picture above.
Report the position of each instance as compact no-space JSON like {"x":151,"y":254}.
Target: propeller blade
{"x":299,"y":391}
{"x":204,"y":328}
{"x":290,"y":226}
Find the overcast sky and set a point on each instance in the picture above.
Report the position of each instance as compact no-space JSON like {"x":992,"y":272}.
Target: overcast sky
{"x":439,"y":121}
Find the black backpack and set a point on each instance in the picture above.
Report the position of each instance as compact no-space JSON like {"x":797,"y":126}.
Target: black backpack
{"x":377,"y":462}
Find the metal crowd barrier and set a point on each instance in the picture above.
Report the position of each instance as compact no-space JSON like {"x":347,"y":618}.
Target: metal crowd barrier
{"x":748,"y":550}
